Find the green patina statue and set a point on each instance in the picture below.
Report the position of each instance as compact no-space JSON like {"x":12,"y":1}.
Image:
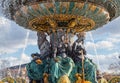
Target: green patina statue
{"x":61,"y":66}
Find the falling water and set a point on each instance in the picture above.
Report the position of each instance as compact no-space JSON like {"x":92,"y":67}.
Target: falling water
{"x":25,"y":45}
{"x":95,"y":50}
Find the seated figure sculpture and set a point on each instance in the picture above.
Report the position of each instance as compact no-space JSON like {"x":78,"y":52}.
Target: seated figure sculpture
{"x":64,"y":46}
{"x":35,"y":69}
{"x":43,"y":45}
{"x":79,"y":54}
{"x":61,"y":65}
{"x":77,"y":47}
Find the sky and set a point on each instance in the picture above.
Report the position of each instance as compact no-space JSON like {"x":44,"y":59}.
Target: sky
{"x":102,"y":45}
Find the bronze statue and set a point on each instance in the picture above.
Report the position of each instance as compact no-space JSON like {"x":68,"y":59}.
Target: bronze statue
{"x":43,"y":44}
{"x":78,"y":47}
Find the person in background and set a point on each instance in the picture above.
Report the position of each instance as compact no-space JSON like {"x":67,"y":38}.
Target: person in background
{"x":100,"y":78}
{"x":8,"y":78}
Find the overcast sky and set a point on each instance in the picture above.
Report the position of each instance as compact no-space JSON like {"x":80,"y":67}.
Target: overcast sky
{"x":102,"y":45}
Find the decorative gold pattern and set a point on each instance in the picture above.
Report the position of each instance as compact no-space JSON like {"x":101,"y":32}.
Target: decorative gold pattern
{"x":115,"y":79}
{"x":55,"y":22}
{"x":64,"y":79}
{"x":71,"y":16}
{"x":45,"y":75}
{"x":38,"y":61}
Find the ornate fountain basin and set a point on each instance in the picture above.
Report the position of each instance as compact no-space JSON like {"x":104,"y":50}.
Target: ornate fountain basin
{"x":70,"y":15}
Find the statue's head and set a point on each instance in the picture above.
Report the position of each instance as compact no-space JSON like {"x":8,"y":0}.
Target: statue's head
{"x":41,"y":35}
{"x":35,"y":55}
{"x":81,"y":36}
{"x":63,"y":55}
{"x":9,"y":73}
{"x":64,"y":38}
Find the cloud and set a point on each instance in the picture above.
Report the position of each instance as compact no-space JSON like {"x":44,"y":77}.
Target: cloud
{"x":114,"y":39}
{"x":25,"y":58}
{"x":12,"y":36}
{"x":111,"y":27}
{"x":99,"y":45}
{"x":105,"y":41}
{"x":13,"y":61}
{"x":109,"y":32}
{"x":104,"y":61}
{"x":105,"y":45}
{"x":5,"y":25}
{"x":4,"y":22}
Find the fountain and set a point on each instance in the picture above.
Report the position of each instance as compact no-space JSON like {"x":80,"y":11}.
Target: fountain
{"x":61,"y":59}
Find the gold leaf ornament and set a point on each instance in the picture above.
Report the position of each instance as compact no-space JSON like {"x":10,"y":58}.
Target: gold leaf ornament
{"x":38,"y":61}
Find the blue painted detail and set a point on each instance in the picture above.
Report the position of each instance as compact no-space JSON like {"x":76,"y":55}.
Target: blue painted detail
{"x":40,"y":13}
{"x":30,"y":11}
{"x":85,"y":6}
{"x":76,"y":11}
{"x":83,"y":11}
{"x":64,"y":10}
{"x":51,"y":10}
{"x":44,"y":9}
{"x":96,"y":10}
{"x":57,"y":5}
{"x":72,"y":4}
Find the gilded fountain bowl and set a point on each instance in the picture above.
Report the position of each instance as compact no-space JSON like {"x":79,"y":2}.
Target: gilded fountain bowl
{"x":70,"y":15}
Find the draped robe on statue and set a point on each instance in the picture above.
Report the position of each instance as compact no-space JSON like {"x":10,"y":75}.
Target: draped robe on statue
{"x":63,"y":66}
